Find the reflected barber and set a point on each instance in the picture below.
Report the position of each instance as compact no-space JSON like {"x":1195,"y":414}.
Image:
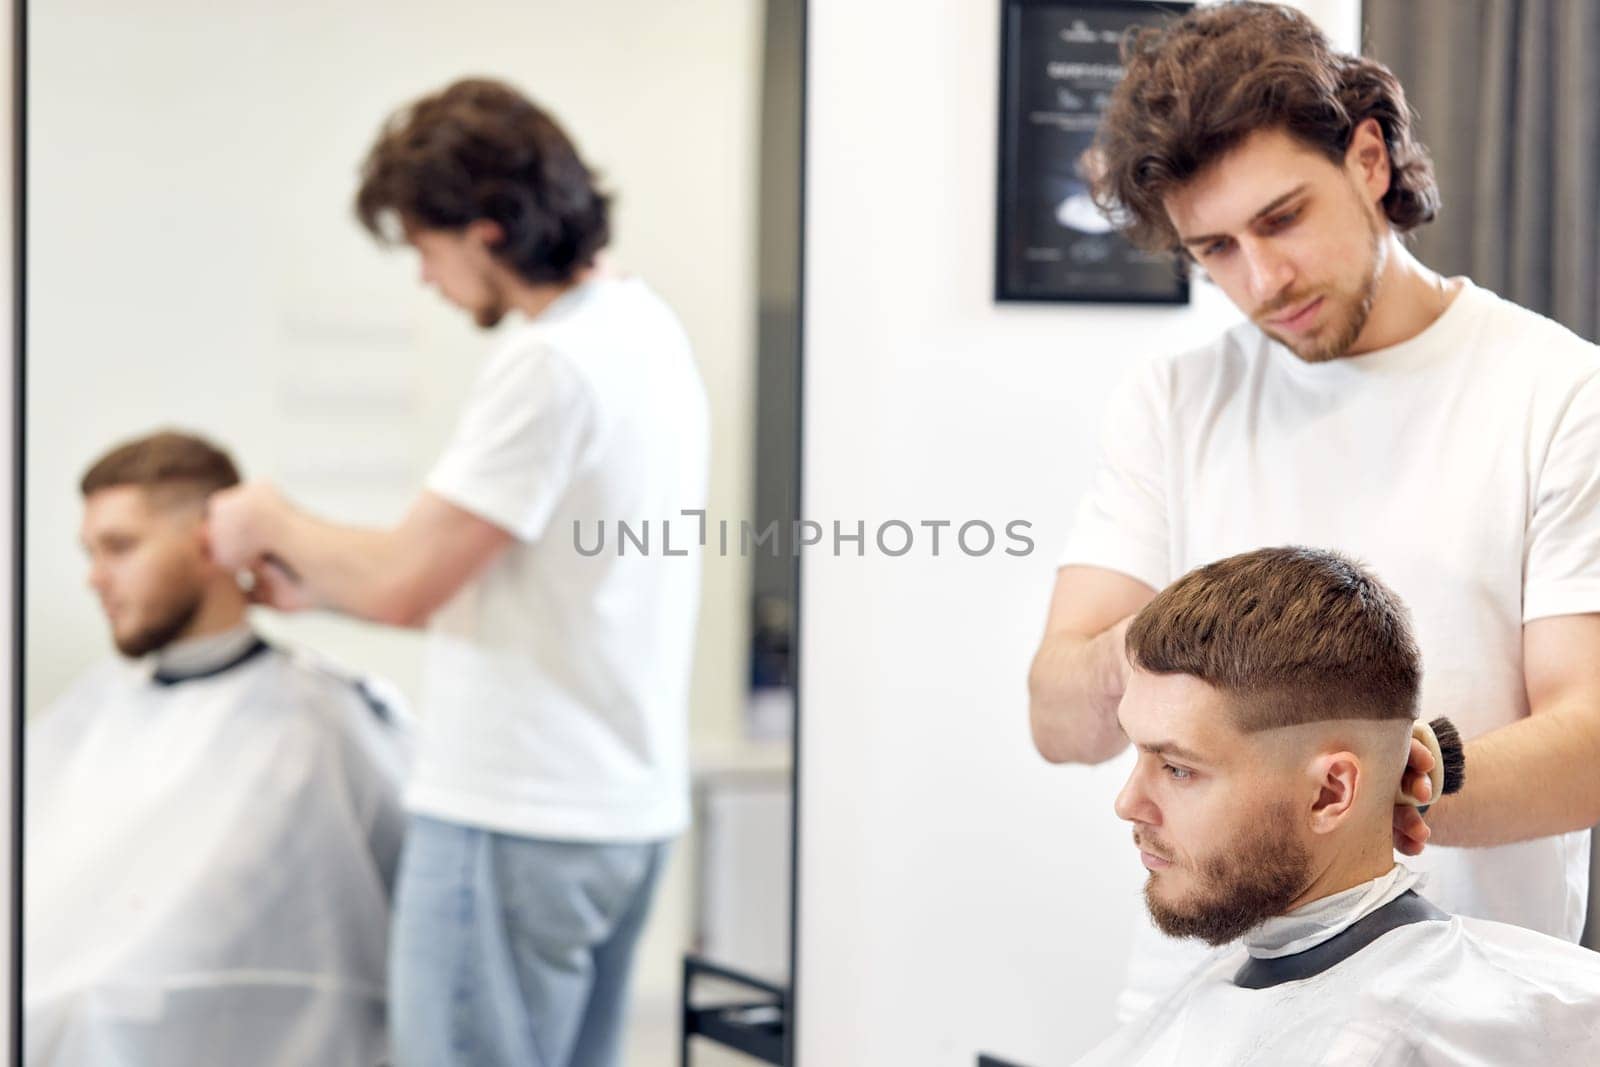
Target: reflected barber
{"x":552,"y":763}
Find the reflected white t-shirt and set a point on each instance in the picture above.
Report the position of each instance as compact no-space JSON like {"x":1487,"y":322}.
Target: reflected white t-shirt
{"x":1462,"y":466}
{"x":555,"y":696}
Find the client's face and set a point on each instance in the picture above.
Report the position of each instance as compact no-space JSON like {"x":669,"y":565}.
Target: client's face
{"x":147,"y":564}
{"x":1213,"y":816}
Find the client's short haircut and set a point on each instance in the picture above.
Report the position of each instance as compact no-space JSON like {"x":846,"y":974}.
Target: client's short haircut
{"x":1292,"y":635}
{"x":179,"y":467}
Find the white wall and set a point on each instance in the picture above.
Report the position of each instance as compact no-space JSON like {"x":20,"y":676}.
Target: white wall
{"x":957,"y":894}
{"x":195,"y":259}
{"x":195,"y":262}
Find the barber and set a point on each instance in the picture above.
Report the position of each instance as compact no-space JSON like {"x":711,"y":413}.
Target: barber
{"x":552,"y":766}
{"x":1444,"y":436}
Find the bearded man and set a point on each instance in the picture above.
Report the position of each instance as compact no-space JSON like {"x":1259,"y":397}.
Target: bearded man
{"x":213,"y":824}
{"x":552,"y":763}
{"x":1271,"y":706}
{"x":1441,"y":433}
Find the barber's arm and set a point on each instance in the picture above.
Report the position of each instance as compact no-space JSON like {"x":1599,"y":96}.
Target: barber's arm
{"x":1539,"y":775}
{"x":1081,"y":668}
{"x":398,"y":576}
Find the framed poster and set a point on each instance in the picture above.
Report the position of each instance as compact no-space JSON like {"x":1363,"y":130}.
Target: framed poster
{"x":1059,"y":61}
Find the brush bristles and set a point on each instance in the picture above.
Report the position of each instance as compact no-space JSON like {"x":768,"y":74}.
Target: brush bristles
{"x":1455,"y":753}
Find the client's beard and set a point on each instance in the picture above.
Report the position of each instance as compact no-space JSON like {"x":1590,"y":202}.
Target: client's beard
{"x":1255,"y":879}
{"x":170,"y":622}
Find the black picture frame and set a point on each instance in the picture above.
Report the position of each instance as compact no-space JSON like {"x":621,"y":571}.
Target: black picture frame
{"x":1051,"y":244}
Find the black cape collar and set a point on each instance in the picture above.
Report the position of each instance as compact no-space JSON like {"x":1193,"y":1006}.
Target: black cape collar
{"x":1403,"y":910}
{"x":167,"y":677}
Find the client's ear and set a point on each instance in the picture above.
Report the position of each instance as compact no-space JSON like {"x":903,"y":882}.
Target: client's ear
{"x":1337,"y":778}
{"x":200,"y":533}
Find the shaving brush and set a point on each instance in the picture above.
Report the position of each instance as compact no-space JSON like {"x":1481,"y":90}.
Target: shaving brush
{"x":1449,"y":760}
{"x":1451,"y":754}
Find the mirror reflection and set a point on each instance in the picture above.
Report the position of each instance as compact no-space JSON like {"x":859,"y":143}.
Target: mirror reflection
{"x":386,"y":700}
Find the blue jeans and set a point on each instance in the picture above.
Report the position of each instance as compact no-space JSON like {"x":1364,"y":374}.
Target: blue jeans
{"x":514,"y":951}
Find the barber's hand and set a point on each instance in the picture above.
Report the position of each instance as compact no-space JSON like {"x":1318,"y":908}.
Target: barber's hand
{"x":275,"y":587}
{"x":239,"y":524}
{"x":1410,"y":829}
{"x":1115,"y":681}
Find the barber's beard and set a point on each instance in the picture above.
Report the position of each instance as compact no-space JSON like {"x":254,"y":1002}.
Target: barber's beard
{"x":1348,"y":311}
{"x":488,"y":314}
{"x":1254,"y":879}
{"x":168,"y":623}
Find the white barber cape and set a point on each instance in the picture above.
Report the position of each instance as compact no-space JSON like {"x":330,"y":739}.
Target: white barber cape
{"x":1445,"y":990}
{"x":211,"y":839}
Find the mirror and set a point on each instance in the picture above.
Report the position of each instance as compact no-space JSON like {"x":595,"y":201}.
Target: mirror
{"x":213,"y":833}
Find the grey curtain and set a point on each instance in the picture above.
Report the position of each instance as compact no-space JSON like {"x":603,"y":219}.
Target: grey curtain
{"x":1507,"y":94}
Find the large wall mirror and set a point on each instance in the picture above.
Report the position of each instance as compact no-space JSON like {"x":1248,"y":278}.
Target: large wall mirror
{"x":221,"y":810}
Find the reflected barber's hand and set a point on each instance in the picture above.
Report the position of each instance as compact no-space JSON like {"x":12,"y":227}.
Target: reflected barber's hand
{"x":273,"y":585}
{"x":239,"y":523}
{"x":1410,"y":828}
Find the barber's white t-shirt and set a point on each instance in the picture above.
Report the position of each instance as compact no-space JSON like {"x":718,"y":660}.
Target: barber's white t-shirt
{"x":556,"y":684}
{"x":1462,"y":466}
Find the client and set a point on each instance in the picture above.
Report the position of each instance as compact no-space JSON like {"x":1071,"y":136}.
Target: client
{"x":212,"y":824}
{"x":1271,"y":705}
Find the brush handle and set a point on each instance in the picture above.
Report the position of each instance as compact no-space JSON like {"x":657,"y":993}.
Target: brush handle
{"x":278,"y":562}
{"x":1421,"y":731}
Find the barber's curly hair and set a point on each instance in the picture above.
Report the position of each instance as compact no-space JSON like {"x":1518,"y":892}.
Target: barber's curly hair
{"x":479,"y":149}
{"x":1196,"y":87}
